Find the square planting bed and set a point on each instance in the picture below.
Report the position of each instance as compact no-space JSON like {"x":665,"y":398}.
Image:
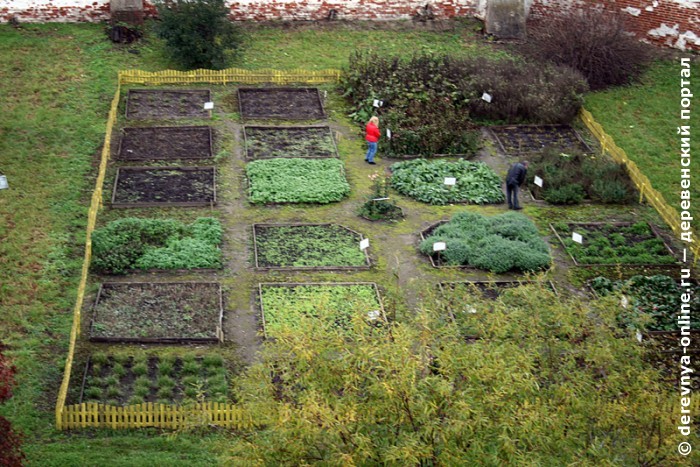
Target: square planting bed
{"x":169,"y":379}
{"x":308,"y":247}
{"x":526,"y":139}
{"x":331,"y":304}
{"x":165,"y":143}
{"x":614,"y":243}
{"x":144,"y":104}
{"x":164,"y":186}
{"x":173,"y":312}
{"x":265,"y":142}
{"x":280,"y":103}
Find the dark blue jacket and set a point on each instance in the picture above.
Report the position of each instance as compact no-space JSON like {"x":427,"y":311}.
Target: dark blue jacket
{"x":516,"y":174}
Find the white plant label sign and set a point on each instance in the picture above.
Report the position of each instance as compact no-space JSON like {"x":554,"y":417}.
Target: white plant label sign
{"x":364,"y":244}
{"x":388,"y":133}
{"x":373,"y":315}
{"x":577,"y":237}
{"x":377,"y":103}
{"x":450,"y":181}
{"x":208,"y":105}
{"x":538,"y":181}
{"x":3,"y":182}
{"x":486,"y":97}
{"x":439,"y":246}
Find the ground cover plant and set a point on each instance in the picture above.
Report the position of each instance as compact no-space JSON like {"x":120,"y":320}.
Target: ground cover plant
{"x":341,"y":307}
{"x":165,"y":143}
{"x":569,"y":178}
{"x":307,"y":246}
{"x":614,"y":243}
{"x":424,"y":180}
{"x":121,"y":379}
{"x":653,"y":302}
{"x":284,"y":103}
{"x":157,"y":312}
{"x":524,"y":139}
{"x":143,"y":104}
{"x":136,"y":243}
{"x":269,"y":142}
{"x":296,"y":180}
{"x":501,"y":243}
{"x":174,"y":186}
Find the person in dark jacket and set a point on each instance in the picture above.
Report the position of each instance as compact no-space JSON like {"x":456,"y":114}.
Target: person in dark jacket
{"x":372,"y":137}
{"x":515,"y":178}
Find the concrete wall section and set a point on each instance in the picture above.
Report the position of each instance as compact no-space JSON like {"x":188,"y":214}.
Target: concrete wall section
{"x":39,"y":11}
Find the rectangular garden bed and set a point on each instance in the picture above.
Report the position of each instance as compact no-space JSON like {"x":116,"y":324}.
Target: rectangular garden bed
{"x":164,"y":186}
{"x":284,"y":305}
{"x":165,"y":143}
{"x":170,"y":379}
{"x":308,"y":247}
{"x":516,"y":140}
{"x":144,"y":104}
{"x":492,"y":289}
{"x":280,"y":103}
{"x":265,"y":142}
{"x":172,"y":312}
{"x":615,"y":244}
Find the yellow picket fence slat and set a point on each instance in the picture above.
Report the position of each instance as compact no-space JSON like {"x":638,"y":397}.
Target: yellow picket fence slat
{"x":229,"y":75}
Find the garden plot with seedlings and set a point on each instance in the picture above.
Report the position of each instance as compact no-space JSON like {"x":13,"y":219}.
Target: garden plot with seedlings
{"x":308,"y":247}
{"x":516,"y":140}
{"x":296,"y":180}
{"x":339,"y":306}
{"x":156,"y":104}
{"x":266,"y":142}
{"x":281,"y":103}
{"x":490,"y":289}
{"x":614,"y":243}
{"x":165,"y":143}
{"x":502,"y":243}
{"x":173,"y":312}
{"x":164,"y":186}
{"x":444,"y":182}
{"x":650,"y":302}
{"x":169,"y":379}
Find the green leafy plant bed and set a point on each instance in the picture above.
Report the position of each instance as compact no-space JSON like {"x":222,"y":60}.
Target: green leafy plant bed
{"x":145,"y":104}
{"x":265,"y":142}
{"x":280,"y":103}
{"x":319,"y":181}
{"x":502,"y":243}
{"x":169,"y":379}
{"x":526,"y":139}
{"x":156,"y":244}
{"x":308,"y":246}
{"x":615,"y":243}
{"x":158,"y":312}
{"x":164,"y":186}
{"x":424,"y":181}
{"x":339,"y":306}
{"x":165,"y":143}
{"x":650,"y":302}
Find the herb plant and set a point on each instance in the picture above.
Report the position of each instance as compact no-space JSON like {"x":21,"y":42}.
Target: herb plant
{"x":378,"y":207}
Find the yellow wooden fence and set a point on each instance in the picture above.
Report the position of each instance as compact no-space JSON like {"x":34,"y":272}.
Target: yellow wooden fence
{"x":229,"y":75}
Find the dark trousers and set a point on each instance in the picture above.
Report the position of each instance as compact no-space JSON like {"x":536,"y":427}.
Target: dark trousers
{"x":512,"y":195}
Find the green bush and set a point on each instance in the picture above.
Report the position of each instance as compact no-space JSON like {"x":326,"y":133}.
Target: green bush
{"x":197,"y":33}
{"x":571,"y":193}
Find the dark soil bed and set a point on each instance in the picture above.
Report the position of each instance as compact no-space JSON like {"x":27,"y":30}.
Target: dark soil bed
{"x":144,"y":104}
{"x":280,"y":103}
{"x":158,"y":312}
{"x":263,"y":142}
{"x":126,"y":380}
{"x":166,"y":143}
{"x":173,"y":186}
{"x":525,"y":139}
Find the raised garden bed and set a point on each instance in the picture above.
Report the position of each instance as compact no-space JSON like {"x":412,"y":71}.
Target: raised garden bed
{"x":423,"y":180}
{"x":526,"y":139}
{"x":297,"y":180}
{"x":164,"y":186}
{"x":171,"y":379}
{"x":172,"y":312}
{"x":502,"y":243}
{"x":614,"y":243}
{"x":165,"y":143}
{"x":144,"y":104}
{"x":286,"y":305}
{"x":308,"y":247}
{"x":266,"y":142}
{"x":280,"y":103}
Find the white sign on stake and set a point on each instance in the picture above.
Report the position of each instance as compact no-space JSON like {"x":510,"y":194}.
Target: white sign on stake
{"x":364,"y":244}
{"x":577,"y":237}
{"x":486,"y":96}
{"x":3,"y":182}
{"x":373,"y":315}
{"x":208,"y":105}
{"x":538,"y":181}
{"x":450,"y":181}
{"x":439,"y":246}
{"x":377,"y":103}
{"x":388,"y":133}
{"x":639,"y":336}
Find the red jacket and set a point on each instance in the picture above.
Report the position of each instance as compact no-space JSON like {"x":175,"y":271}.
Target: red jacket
{"x":372,"y":133}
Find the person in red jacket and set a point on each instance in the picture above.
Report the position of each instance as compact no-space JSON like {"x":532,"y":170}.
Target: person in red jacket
{"x":372,"y":136}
